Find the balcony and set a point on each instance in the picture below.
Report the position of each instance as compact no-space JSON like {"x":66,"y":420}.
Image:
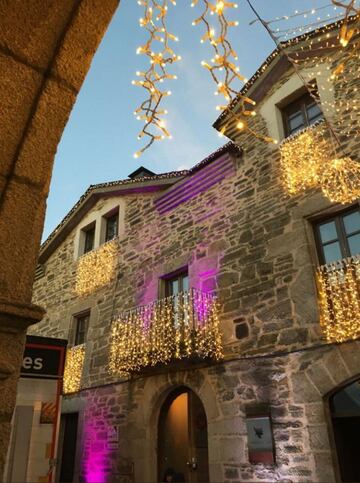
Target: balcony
{"x":184,"y":326}
{"x":339,"y":301}
{"x":96,"y":269}
{"x":74,"y":364}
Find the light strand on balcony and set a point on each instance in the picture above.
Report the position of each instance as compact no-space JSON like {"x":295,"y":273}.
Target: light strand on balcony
{"x":74,"y":364}
{"x":96,"y":269}
{"x":339,"y":299}
{"x":150,"y":112}
{"x":173,"y":328}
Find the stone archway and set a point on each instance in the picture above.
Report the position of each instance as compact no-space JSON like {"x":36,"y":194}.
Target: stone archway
{"x":45,"y":53}
{"x":343,"y":414}
{"x":143,"y":420}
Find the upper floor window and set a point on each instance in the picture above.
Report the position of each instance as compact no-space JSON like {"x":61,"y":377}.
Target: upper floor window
{"x":89,"y":238}
{"x":300,"y":113}
{"x":177,"y":283}
{"x":81,"y":327}
{"x":111,"y":226}
{"x":339,"y":236}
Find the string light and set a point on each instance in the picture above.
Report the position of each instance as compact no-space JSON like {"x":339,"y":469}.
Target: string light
{"x":172,"y":328}
{"x":96,"y":269}
{"x":340,"y":181}
{"x":346,"y":32}
{"x":339,"y":300}
{"x":74,"y":364}
{"x":149,"y":112}
{"x":223,"y":66}
{"x":301,"y":158}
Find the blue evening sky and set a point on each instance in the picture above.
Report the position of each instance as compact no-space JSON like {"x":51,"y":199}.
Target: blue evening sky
{"x":101,"y":136}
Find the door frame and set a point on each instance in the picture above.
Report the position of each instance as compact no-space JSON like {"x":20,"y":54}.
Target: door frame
{"x":170,"y":396}
{"x":329,"y":424}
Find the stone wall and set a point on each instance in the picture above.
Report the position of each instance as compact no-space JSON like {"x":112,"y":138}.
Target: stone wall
{"x":253,"y":245}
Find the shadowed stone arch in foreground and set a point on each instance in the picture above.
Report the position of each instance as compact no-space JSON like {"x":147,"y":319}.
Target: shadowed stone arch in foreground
{"x":46,"y":48}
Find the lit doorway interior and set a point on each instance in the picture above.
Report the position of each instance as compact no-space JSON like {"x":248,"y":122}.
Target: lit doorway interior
{"x":345,"y":416}
{"x":183,"y":440}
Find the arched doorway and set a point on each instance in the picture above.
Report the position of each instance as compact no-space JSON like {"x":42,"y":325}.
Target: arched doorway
{"x":183,"y":439}
{"x":345,"y":416}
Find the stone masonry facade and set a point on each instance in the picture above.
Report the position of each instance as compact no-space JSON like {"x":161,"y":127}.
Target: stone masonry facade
{"x":251,"y":244}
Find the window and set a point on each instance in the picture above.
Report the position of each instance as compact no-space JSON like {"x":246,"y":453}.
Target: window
{"x":176,"y":283}
{"x":81,"y":326}
{"x":111,"y":227}
{"x":339,"y":236}
{"x":301,"y":113}
{"x":89,"y":238}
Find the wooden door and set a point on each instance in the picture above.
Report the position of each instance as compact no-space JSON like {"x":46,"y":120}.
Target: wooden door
{"x":68,"y":449}
{"x":182,"y":445}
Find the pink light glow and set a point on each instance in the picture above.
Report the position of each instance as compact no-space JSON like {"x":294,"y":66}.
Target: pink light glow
{"x":96,"y":453}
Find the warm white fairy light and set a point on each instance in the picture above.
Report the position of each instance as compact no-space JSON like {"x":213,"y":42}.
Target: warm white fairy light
{"x":339,"y":299}
{"x":96,"y":269}
{"x":159,"y":53}
{"x":173,"y":328}
{"x":74,"y":364}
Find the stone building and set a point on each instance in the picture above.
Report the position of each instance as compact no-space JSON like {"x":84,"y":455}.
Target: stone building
{"x":129,"y":278}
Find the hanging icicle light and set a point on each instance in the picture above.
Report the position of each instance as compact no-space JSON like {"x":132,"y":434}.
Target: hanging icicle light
{"x":223,"y":66}
{"x":172,"y":328}
{"x":149,"y":112}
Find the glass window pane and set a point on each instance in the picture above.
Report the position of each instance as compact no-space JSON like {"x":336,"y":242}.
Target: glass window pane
{"x":185,"y":283}
{"x":174,"y":287}
{"x":89,"y":240}
{"x":296,"y":122}
{"x":111,"y":227}
{"x":352,"y":222}
{"x":332,"y":252}
{"x":313,"y":112}
{"x":354,"y":244}
{"x":328,"y":232}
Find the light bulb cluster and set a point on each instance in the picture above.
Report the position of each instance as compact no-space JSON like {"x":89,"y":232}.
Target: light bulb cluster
{"x":160,"y":55}
{"x":177,"y":327}
{"x":308,"y":160}
{"x":74,"y":364}
{"x":339,"y":299}
{"x":96,"y":269}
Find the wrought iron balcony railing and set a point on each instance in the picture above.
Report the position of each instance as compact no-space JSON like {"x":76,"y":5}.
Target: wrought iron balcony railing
{"x":74,"y":364}
{"x":178,"y":327}
{"x":339,"y":284}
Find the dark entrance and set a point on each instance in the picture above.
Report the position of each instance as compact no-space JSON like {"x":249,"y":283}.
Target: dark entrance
{"x":345,"y":415}
{"x":183,"y":441}
{"x":68,"y":438}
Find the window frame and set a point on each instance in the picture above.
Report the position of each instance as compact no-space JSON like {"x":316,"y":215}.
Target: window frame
{"x":180,"y":275}
{"x":107,"y":218}
{"x":301,"y":103}
{"x":82,"y":316}
{"x":85,"y":231}
{"x":340,"y":230}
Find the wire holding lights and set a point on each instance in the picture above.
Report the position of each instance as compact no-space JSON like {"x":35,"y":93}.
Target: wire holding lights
{"x":222,"y":67}
{"x":154,"y":21}
{"x":346,"y":32}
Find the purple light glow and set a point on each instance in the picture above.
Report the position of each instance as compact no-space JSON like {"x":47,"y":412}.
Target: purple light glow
{"x":196,"y":184}
{"x":96,"y":455}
